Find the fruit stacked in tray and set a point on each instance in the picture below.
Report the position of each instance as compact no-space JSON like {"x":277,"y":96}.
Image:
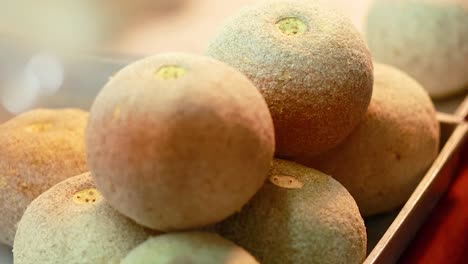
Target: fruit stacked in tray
{"x":271,"y":148}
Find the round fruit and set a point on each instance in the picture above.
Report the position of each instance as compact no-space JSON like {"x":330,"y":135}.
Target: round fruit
{"x":299,"y":216}
{"x":72,"y":223}
{"x":38,"y":149}
{"x":179,"y":141}
{"x":311,"y":65}
{"x":384,"y":159}
{"x":192,"y":247}
{"x":427,"y":39}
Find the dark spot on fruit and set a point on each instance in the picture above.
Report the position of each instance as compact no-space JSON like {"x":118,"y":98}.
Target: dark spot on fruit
{"x":398,"y":156}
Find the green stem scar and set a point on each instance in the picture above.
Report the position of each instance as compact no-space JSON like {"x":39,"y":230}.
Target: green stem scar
{"x":291,"y":26}
{"x":170,"y":72}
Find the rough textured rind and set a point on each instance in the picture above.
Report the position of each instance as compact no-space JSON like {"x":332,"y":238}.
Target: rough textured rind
{"x":428,"y":39}
{"x":318,"y":223}
{"x":179,"y":153}
{"x":384,"y":159}
{"x":55,"y":229}
{"x":191,"y":247}
{"x":38,"y":149}
{"x":317,"y":83}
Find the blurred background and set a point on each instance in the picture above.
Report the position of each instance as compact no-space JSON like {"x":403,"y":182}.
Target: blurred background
{"x":59,"y":53}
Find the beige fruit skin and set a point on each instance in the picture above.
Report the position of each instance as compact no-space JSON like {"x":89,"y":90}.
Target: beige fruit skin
{"x":317,"y":84}
{"x":190,"y":247}
{"x":180,"y":153}
{"x":318,"y":223}
{"x":428,"y":39}
{"x":384,"y":159}
{"x":56,"y":229}
{"x":38,"y":149}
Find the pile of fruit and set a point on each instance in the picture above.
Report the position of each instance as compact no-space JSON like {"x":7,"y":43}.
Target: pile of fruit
{"x":208,"y":159}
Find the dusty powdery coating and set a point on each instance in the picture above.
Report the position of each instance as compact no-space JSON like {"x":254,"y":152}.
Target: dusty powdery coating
{"x":190,"y":247}
{"x":72,"y":223}
{"x":384,"y":159}
{"x":38,"y":149}
{"x":300,"y":216}
{"x":311,"y":65}
{"x":178,"y":141}
{"x":428,"y":39}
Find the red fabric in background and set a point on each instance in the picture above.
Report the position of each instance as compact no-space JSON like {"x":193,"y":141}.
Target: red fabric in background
{"x":444,"y":237}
